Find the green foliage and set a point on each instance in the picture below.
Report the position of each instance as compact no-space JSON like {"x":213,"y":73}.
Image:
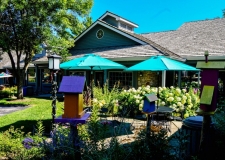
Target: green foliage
{"x":183,"y":102}
{"x":61,"y":144}
{"x":39,"y":129}
{"x":154,"y":146}
{"x":93,"y":142}
{"x":25,"y":25}
{"x":38,"y":109}
{"x":218,"y":138}
{"x":108,"y":98}
{"x":181,"y":139}
{"x":13,"y":146}
{"x":8,"y":92}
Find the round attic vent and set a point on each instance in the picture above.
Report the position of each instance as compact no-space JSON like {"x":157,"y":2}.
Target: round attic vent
{"x":99,"y":34}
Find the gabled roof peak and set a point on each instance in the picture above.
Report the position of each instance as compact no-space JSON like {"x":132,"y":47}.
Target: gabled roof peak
{"x":118,"y":18}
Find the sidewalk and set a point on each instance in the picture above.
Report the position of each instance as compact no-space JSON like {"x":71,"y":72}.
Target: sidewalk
{"x":9,"y":109}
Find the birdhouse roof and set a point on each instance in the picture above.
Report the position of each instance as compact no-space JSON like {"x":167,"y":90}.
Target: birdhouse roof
{"x":151,"y":97}
{"x":72,"y":84}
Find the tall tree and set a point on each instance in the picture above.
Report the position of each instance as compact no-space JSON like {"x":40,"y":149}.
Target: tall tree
{"x":26,"y":24}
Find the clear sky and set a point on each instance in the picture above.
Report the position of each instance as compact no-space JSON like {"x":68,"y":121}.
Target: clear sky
{"x":159,"y":15}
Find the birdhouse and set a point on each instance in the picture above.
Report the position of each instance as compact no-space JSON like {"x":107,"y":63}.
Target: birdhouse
{"x":209,"y":84}
{"x":149,"y":103}
{"x":72,"y":87}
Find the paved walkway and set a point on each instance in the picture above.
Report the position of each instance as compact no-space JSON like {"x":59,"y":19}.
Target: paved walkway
{"x":9,"y":109}
{"x":131,"y":127}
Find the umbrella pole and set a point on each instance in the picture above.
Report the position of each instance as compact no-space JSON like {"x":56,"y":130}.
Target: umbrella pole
{"x":158,"y":90}
{"x":91,"y":83}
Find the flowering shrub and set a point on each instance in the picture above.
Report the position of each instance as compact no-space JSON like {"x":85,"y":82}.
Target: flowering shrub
{"x":181,"y":101}
{"x":103,"y":97}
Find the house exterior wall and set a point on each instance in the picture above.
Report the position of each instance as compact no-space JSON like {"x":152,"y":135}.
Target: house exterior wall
{"x":109,"y":39}
{"x":147,"y":78}
{"x":111,"y":20}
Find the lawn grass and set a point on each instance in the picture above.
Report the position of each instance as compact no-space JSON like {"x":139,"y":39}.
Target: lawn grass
{"x":39,"y":109}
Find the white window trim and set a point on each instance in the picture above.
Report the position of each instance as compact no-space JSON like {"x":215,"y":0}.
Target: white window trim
{"x":125,"y":27}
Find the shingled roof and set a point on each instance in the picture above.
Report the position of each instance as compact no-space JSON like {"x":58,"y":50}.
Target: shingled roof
{"x":192,"y":39}
{"x":139,"y":51}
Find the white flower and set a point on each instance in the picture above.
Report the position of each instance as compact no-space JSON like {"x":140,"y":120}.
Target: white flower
{"x":140,"y":106}
{"x":178,"y":99}
{"x":174,"y":105}
{"x":184,"y":97}
{"x":179,"y":104}
{"x":182,"y":108}
{"x":170,"y":99}
{"x":171,"y":87}
{"x":95,"y":100}
{"x":178,"y":90}
{"x":189,"y":106}
{"x":189,"y":101}
{"x":184,"y":90}
{"x":137,"y":101}
{"x":163,"y":103}
{"x":186,"y":115}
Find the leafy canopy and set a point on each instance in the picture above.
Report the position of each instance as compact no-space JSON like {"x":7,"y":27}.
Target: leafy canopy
{"x":25,"y":24}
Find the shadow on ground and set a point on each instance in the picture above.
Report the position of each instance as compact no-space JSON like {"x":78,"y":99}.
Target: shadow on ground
{"x":29,"y":126}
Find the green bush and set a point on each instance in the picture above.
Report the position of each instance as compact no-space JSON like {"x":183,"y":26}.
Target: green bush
{"x":108,"y":98}
{"x":8,"y":92}
{"x":14,"y":144}
{"x":183,"y":102}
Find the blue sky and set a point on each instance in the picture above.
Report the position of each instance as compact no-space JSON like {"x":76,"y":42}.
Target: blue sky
{"x":159,"y":15}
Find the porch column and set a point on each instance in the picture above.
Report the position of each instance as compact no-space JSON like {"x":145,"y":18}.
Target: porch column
{"x":163,"y":78}
{"x":179,"y":79}
{"x":36,"y":79}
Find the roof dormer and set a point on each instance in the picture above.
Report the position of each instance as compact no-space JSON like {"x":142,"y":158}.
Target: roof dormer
{"x":118,"y":22}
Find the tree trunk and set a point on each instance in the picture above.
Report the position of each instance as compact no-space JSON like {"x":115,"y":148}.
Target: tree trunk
{"x":19,"y":82}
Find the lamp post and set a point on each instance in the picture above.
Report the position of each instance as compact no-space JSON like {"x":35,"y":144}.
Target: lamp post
{"x":53,"y":65}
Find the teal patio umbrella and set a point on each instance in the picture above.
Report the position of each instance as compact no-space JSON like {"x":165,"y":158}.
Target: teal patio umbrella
{"x":161,"y":63}
{"x":91,"y":62}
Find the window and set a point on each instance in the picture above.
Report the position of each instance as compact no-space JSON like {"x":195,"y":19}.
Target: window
{"x":77,"y":73}
{"x":125,"y":27}
{"x":47,"y":78}
{"x":124,"y":79}
{"x":31,"y":75}
{"x":129,"y":28}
